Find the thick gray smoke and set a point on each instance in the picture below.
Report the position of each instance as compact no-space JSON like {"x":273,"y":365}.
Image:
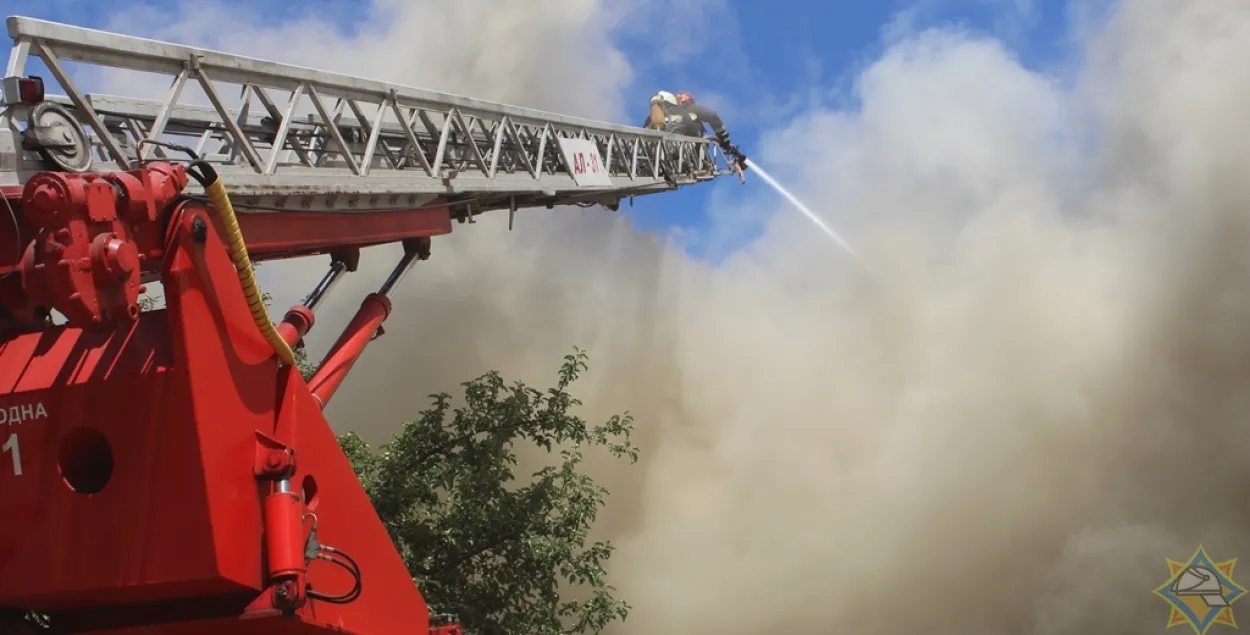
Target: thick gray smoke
{"x":1045,"y":395}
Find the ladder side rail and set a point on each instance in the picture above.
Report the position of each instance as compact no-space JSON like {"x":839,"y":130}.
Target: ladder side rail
{"x":246,"y":184}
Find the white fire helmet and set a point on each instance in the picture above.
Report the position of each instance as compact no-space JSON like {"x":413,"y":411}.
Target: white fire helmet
{"x":664,"y":96}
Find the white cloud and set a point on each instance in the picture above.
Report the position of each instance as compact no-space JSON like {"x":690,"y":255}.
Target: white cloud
{"x":547,"y":54}
{"x":1010,"y":20}
{"x":987,"y":441}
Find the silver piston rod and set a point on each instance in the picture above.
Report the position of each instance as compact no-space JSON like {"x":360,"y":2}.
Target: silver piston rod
{"x":332,"y":277}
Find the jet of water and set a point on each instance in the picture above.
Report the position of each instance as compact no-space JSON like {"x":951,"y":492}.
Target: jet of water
{"x":803,"y":208}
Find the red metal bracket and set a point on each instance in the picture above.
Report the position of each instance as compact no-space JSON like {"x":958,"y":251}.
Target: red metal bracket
{"x":274,"y":461}
{"x":96,"y":233}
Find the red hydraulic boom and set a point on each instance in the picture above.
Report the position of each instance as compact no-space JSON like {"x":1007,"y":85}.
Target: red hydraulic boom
{"x":169,"y":471}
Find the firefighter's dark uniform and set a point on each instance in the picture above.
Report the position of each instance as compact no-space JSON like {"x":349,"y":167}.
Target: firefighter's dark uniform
{"x":688,"y":119}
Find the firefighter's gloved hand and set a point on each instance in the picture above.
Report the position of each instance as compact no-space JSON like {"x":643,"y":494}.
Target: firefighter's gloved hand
{"x":733,"y":152}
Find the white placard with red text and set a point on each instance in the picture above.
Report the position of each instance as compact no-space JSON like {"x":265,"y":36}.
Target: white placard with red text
{"x":585,"y":163}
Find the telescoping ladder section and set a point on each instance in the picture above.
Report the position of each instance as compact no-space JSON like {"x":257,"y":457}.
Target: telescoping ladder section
{"x":378,"y":145}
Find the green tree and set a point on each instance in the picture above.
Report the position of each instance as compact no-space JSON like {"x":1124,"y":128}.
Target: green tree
{"x":495,"y":548}
{"x":306,"y":366}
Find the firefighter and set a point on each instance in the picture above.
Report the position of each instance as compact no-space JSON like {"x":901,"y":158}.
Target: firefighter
{"x":678,"y":113}
{"x":663,"y":111}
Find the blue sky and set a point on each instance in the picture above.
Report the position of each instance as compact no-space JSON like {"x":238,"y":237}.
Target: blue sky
{"x":765,"y":62}
{"x":805,"y":53}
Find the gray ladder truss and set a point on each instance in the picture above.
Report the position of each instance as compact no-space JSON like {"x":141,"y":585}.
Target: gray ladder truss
{"x":390,"y":146}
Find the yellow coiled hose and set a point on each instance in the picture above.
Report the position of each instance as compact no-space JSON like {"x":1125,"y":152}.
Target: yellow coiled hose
{"x":220,"y":202}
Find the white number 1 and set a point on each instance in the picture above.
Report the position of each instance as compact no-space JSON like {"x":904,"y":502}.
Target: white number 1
{"x":11,"y":446}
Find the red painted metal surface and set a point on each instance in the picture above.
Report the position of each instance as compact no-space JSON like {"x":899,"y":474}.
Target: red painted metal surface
{"x":271,"y":234}
{"x":161,"y":473}
{"x":343,"y":355}
{"x":94,"y":232}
